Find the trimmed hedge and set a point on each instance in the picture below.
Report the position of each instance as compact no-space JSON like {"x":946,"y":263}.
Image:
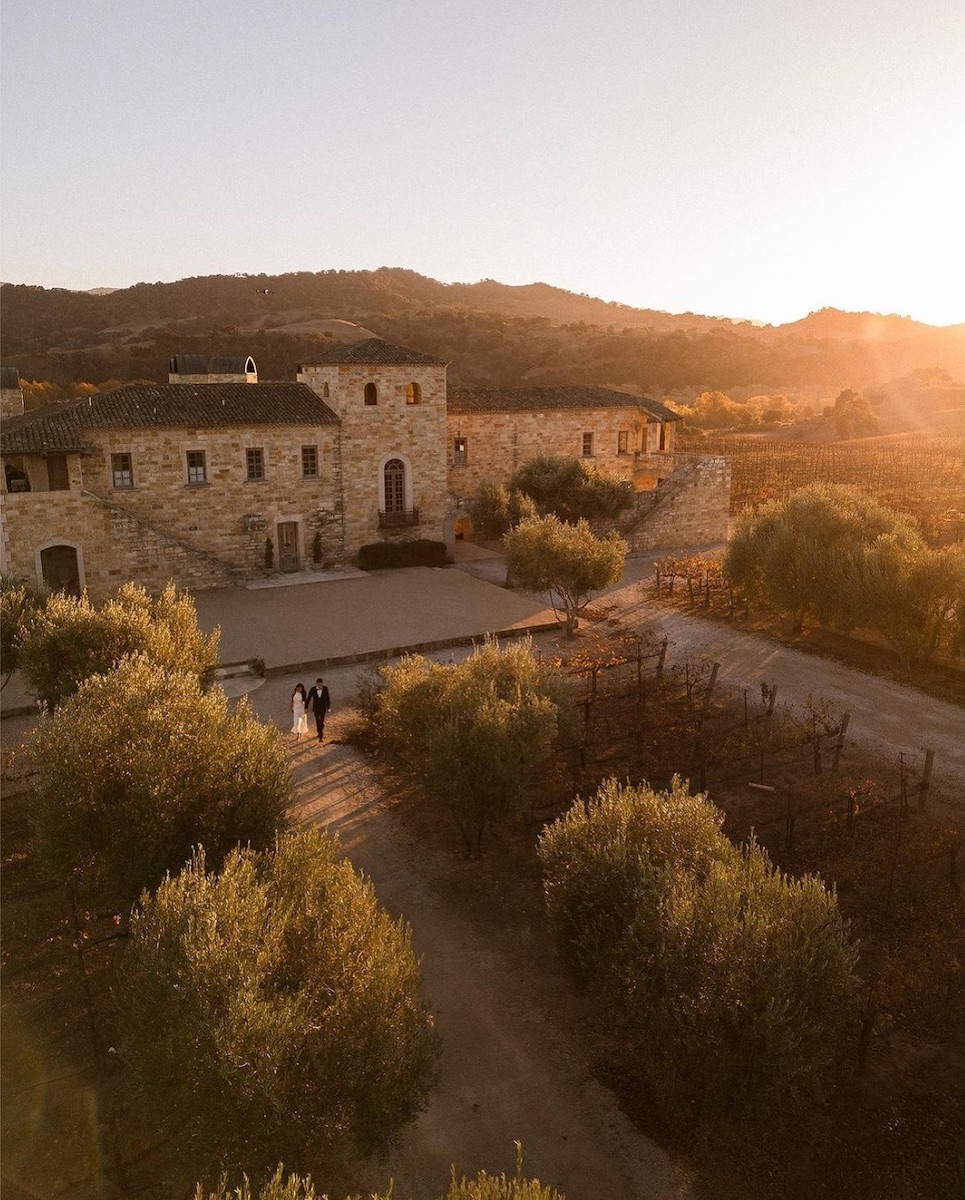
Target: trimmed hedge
{"x":420,"y":552}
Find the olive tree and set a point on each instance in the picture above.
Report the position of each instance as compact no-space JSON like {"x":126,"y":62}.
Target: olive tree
{"x":568,"y":562}
{"x":729,"y":983}
{"x":19,"y":603}
{"x":572,"y":489}
{"x":801,"y":556}
{"x":70,"y":638}
{"x":272,"y":1012}
{"x":469,"y":732}
{"x":140,"y":766}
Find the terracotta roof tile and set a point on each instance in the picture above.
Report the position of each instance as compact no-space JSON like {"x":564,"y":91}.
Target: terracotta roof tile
{"x":548,"y":399}
{"x":201,"y":406}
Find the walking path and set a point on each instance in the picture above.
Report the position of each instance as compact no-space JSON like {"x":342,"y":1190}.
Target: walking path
{"x":509,"y":1071}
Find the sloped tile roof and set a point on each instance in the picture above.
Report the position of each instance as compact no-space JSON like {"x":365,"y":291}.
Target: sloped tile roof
{"x":138,"y":406}
{"x":372,"y":350}
{"x":548,"y":399}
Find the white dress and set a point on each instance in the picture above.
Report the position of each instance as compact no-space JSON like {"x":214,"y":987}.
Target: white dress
{"x":299,"y":715}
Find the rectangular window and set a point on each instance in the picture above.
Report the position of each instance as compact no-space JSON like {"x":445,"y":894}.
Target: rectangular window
{"x":197,"y":472}
{"x":122,"y":471}
{"x":309,"y":462}
{"x":587,"y":445}
{"x":255,"y":463}
{"x":460,"y":452}
{"x":623,"y":441}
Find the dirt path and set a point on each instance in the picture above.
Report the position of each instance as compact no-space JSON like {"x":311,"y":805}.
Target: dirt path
{"x":885,"y":715}
{"x":508,"y":1071}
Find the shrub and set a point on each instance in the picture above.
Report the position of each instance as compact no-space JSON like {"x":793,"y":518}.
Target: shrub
{"x":801,"y":556}
{"x":68,"y":639}
{"x":730,"y":983}
{"x":272,"y":1011}
{"x":139,"y":767}
{"x":468,"y":733}
{"x":418,"y":552}
{"x":19,"y":603}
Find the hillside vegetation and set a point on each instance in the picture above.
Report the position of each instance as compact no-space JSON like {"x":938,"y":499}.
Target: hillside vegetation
{"x":489,"y":332}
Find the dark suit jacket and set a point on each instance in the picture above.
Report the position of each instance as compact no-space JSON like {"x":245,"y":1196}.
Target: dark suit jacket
{"x":318,"y":701}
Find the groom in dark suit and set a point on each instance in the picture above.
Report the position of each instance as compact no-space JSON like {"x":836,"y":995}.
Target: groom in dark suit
{"x":319,"y":702}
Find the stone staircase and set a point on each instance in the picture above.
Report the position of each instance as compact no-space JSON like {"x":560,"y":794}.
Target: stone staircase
{"x":191,"y":565}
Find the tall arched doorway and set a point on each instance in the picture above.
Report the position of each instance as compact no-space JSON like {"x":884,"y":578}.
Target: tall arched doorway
{"x":60,"y":569}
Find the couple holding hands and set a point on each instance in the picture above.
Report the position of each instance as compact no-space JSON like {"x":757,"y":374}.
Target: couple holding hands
{"x":317,"y":701}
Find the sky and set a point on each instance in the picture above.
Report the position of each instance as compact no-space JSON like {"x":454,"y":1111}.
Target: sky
{"x":755,"y":159}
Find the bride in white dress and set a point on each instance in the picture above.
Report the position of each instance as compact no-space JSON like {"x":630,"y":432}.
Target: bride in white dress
{"x":299,"y":715}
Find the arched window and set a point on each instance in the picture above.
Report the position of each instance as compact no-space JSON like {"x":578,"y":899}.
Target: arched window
{"x":393,"y":474}
{"x":413,"y":393}
{"x":371,"y":394}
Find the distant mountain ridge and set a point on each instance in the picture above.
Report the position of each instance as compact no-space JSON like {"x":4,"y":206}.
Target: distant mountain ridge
{"x":490,"y":332}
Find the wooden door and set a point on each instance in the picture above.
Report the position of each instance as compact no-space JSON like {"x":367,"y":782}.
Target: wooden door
{"x":288,"y":557}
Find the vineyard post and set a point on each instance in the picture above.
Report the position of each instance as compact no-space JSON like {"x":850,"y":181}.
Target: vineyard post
{"x":902,"y":784}
{"x":656,"y":567}
{"x":706,"y":589}
{"x":816,"y":742}
{"x":690,"y":588}
{"x":790,"y":817}
{"x":925,"y":778}
{"x":663,"y":657}
{"x":710,"y":688}
{"x":839,"y":746}
{"x":771,"y":700}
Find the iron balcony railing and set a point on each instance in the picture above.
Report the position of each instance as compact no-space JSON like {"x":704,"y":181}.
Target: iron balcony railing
{"x":394,"y":520}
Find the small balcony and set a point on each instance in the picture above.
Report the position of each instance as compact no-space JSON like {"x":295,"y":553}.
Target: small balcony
{"x":398,"y":520}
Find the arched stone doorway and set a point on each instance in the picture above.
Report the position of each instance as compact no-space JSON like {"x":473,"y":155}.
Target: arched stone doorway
{"x":60,"y":569}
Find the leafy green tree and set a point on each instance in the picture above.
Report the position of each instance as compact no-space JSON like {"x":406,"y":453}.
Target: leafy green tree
{"x":728,"y":983}
{"x":801,"y":556}
{"x":69,"y":639}
{"x":911,"y":596}
{"x":141,"y":766}
{"x":496,"y":509}
{"x":568,"y":562}
{"x":273,"y":1012}
{"x":469,"y":732}
{"x":852,"y":415}
{"x":572,"y":489}
{"x":19,"y":602}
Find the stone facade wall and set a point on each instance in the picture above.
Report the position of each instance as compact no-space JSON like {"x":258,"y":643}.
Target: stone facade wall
{"x":689,"y":508}
{"x":231,"y":377}
{"x":163,"y":528}
{"x":372,"y":434}
{"x":499,"y":443}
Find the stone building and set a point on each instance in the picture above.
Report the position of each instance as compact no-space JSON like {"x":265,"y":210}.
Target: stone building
{"x":215,"y":477}
{"x":493,"y":431}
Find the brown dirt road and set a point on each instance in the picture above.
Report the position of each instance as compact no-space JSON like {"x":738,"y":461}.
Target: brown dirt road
{"x":509,"y":1070}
